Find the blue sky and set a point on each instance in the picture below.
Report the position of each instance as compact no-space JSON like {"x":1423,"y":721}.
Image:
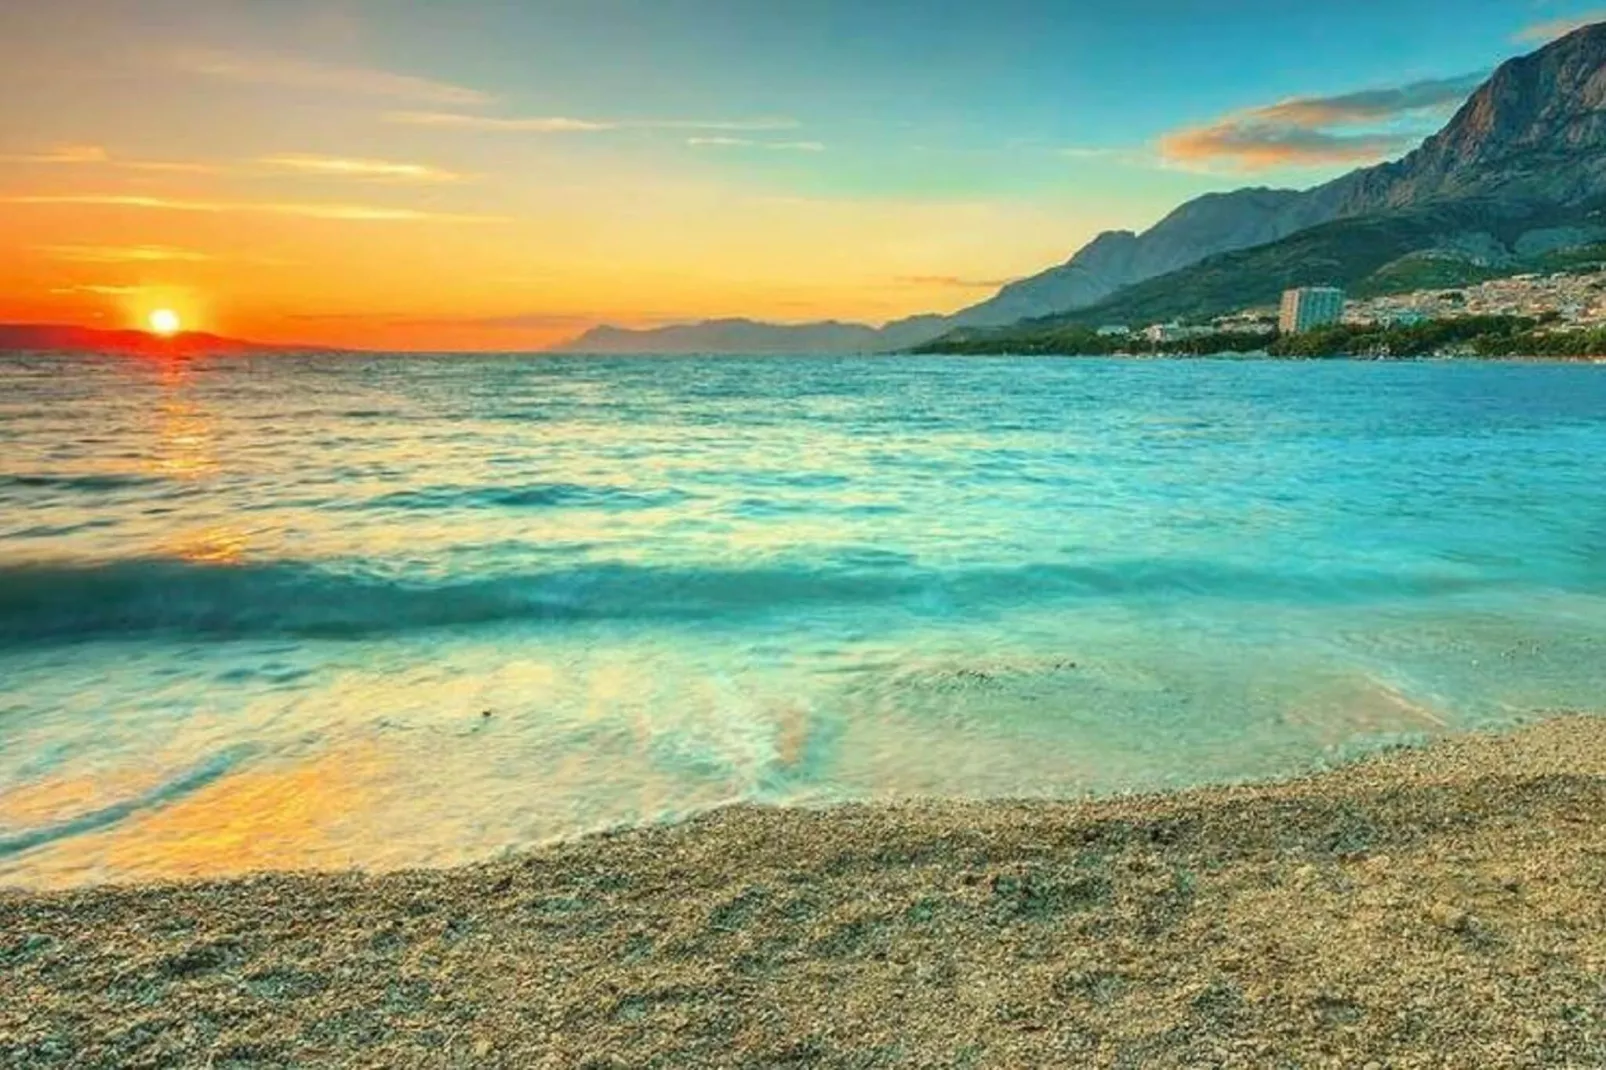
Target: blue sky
{"x":648,"y":160}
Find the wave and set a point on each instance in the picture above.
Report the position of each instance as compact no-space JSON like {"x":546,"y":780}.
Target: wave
{"x":89,"y":483}
{"x":528,"y":496}
{"x":186,"y":783}
{"x":132,"y":598}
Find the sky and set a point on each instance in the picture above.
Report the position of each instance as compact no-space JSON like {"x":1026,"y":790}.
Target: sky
{"x":503,"y":174}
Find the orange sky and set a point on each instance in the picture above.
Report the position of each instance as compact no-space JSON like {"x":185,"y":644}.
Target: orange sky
{"x":469,"y":270}
{"x":398,"y":174}
{"x":282,"y":181}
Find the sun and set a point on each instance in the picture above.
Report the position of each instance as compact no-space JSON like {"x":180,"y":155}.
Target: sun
{"x":165,"y":322}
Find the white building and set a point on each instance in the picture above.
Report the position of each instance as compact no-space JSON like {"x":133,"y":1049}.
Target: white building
{"x":1309,"y":307}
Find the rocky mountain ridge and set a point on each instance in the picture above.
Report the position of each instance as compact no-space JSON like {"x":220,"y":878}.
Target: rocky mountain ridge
{"x":1531,"y":139}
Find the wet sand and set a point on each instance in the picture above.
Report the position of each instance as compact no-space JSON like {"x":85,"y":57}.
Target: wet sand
{"x":1434,"y":908}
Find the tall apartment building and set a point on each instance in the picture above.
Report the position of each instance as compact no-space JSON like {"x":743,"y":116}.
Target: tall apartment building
{"x":1310,"y":306}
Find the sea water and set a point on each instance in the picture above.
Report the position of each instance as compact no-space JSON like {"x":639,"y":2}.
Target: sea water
{"x":379,"y":611}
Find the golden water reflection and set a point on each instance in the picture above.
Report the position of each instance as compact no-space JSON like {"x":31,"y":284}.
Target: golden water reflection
{"x":274,"y":817}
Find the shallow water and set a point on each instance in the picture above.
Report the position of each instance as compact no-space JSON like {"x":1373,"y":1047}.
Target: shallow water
{"x":253,"y":611}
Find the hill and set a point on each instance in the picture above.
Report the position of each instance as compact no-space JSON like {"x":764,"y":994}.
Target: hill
{"x":1446,"y":244}
{"x":60,"y":337}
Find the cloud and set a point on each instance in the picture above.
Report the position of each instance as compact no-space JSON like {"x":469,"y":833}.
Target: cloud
{"x":521,"y":321}
{"x":955,"y":282}
{"x":99,"y":156}
{"x":1259,"y":148}
{"x":100,"y":291}
{"x":124,"y":254}
{"x":349,"y":212}
{"x":303,"y":74}
{"x":372,"y":170}
{"x":300,"y":163}
{"x":1433,"y":96}
{"x":1314,"y":131}
{"x":64,"y":154}
{"x":547,"y":125}
{"x":557,"y":124}
{"x":751,"y":143}
{"x":1542,"y":33}
{"x":531,"y":321}
{"x":527,"y":321}
{"x":170,"y":166}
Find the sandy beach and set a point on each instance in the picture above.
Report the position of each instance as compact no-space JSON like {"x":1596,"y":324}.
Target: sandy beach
{"x":1435,"y":908}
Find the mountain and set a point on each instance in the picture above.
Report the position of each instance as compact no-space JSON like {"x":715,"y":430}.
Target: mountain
{"x":1529,"y":139}
{"x":1443,"y":245}
{"x":1534,"y":132}
{"x":729,"y":336}
{"x":1214,"y":223}
{"x":1518,"y":172}
{"x":52,"y":337}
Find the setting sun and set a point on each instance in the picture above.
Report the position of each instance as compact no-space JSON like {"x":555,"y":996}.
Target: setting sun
{"x":165,"y":322}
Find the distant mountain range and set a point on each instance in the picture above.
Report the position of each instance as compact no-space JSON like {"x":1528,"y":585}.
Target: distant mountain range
{"x":60,"y":337}
{"x":1518,"y":171}
{"x":749,"y":336}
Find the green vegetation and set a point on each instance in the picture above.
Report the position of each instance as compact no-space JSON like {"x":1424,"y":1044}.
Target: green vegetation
{"x":1426,"y":272}
{"x":1471,"y":336}
{"x":1085,"y":342}
{"x":1369,"y":256}
{"x":1582,"y":260}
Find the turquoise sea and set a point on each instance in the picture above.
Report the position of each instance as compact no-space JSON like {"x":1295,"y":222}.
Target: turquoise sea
{"x":386,"y":611}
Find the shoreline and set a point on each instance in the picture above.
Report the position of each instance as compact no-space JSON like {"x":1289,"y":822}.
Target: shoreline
{"x":1442,"y":906}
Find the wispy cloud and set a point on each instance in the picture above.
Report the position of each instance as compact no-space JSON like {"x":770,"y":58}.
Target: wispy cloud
{"x":518,"y":321}
{"x":956,"y":282}
{"x":543,"y":125}
{"x":124,"y":254}
{"x":754,"y":143}
{"x":1315,"y":131}
{"x":1433,"y":96}
{"x":99,"y":156}
{"x":1246,"y":148}
{"x":558,"y":124}
{"x":349,"y":212}
{"x":1544,"y":32}
{"x":99,"y":290}
{"x":303,"y":74}
{"x":527,"y":321}
{"x":63,"y":154}
{"x":372,"y":170}
{"x":296,"y":163}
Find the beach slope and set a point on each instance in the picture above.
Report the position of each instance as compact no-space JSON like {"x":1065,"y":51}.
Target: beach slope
{"x":1443,"y":907}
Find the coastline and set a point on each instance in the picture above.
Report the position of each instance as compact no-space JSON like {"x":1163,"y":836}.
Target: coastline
{"x":1433,"y":907}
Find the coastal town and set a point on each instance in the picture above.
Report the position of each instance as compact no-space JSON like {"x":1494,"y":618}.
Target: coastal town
{"x":1560,"y":301}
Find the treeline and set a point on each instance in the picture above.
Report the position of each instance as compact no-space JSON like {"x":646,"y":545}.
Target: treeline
{"x":1084,"y":342}
{"x":1470,"y":336}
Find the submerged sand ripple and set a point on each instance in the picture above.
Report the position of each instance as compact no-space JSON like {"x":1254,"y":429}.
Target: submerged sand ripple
{"x":1437,"y":908}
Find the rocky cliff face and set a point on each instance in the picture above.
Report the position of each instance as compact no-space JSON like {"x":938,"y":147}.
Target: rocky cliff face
{"x":1535,"y":132}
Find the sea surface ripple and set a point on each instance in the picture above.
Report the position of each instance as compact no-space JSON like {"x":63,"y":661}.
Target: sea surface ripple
{"x":376,"y":611}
